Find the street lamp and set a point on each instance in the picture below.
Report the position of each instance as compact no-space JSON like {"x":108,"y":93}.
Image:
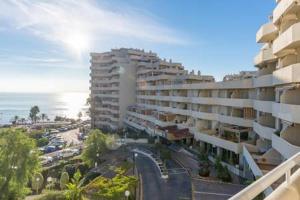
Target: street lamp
{"x":134,"y":158}
{"x":37,"y":187}
{"x":97,"y":158}
{"x":49,"y":180}
{"x":127,"y":193}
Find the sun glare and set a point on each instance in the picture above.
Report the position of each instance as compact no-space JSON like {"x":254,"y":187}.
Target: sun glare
{"x":77,"y":42}
{"x":74,"y":103}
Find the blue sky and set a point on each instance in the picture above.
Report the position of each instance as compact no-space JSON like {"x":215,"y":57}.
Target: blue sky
{"x":45,"y":45}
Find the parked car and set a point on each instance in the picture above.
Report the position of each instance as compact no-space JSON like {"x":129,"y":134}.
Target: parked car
{"x":69,"y":152}
{"x":49,"y":149}
{"x":46,"y":160}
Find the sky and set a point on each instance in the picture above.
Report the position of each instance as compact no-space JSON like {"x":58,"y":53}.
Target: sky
{"x":45,"y":45}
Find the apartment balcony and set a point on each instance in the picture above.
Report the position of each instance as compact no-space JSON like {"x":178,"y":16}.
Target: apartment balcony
{"x":106,"y":88}
{"x":107,"y":95}
{"x":288,"y":74}
{"x":240,"y":84}
{"x":265,"y":55}
{"x":113,"y":80}
{"x":289,"y":189}
{"x":204,"y":115}
{"x":263,"y":81}
{"x":133,"y":124}
{"x":110,"y":103}
{"x":266,"y":33}
{"x":235,"y":102}
{"x":211,"y":137}
{"x":286,"y":112}
{"x":288,"y":41}
{"x":264,"y":106}
{"x":286,"y":149}
{"x":285,"y":7}
{"x":107,"y":110}
{"x":150,"y":119}
{"x":263,"y":131}
{"x":236,"y":121}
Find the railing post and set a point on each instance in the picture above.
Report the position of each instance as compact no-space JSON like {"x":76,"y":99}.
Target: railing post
{"x":287,"y":176}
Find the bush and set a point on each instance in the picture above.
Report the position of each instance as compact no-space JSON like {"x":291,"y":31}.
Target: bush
{"x":37,"y":182}
{"x":64,"y":179}
{"x":53,"y":196}
{"x":204,"y":171}
{"x":89,"y":177}
{"x":70,"y":169}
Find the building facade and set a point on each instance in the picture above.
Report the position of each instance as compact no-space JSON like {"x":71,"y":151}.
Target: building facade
{"x":251,"y":119}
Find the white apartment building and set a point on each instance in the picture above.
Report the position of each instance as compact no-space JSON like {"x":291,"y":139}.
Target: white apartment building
{"x":251,"y":120}
{"x":113,"y":80}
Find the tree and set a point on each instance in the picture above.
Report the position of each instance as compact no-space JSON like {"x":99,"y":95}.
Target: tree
{"x":95,"y":146}
{"x":64,"y":180}
{"x":18,"y":162}
{"x":37,"y":182}
{"x":44,"y":117}
{"x":74,"y":191}
{"x":15,"y":119}
{"x":34,"y":111}
{"x":79,"y":115}
{"x":203,"y":164}
{"x":111,"y":189}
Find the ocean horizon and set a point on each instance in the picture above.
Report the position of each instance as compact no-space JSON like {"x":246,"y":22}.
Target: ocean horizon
{"x":66,"y":104}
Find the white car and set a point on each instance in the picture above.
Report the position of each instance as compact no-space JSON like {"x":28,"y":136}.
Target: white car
{"x":69,"y":152}
{"x":46,"y":160}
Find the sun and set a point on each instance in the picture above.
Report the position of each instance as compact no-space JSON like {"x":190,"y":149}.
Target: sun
{"x":77,"y":42}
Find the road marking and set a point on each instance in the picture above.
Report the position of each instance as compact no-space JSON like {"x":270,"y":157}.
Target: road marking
{"x":212,"y":193}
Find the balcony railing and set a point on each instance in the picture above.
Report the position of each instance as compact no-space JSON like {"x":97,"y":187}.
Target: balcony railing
{"x":266,"y":181}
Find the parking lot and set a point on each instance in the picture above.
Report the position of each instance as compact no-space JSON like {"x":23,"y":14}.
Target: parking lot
{"x":63,"y":144}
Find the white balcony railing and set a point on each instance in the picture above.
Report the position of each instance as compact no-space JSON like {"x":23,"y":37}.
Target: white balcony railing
{"x":263,"y":131}
{"x":288,"y":40}
{"x":266,"y":33}
{"x":284,"y":147}
{"x":267,"y":180}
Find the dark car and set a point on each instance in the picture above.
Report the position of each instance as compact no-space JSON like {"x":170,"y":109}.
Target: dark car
{"x":49,"y":149}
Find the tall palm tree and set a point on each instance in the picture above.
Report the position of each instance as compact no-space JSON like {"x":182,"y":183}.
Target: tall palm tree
{"x":15,"y":119}
{"x":44,"y":117}
{"x":33,"y":113}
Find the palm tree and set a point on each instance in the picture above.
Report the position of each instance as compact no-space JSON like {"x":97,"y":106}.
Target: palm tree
{"x":15,"y":119}
{"x":79,"y":115}
{"x":33,"y":113}
{"x":44,"y":117}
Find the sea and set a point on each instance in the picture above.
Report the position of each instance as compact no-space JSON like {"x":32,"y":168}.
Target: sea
{"x":67,"y":104}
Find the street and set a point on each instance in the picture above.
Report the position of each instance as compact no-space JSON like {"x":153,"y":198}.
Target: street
{"x":177,"y":186}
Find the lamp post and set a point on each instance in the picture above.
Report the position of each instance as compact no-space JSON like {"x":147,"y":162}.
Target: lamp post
{"x":37,"y":187}
{"x":49,"y":180}
{"x":127,"y":193}
{"x":97,"y":158}
{"x":134,"y":158}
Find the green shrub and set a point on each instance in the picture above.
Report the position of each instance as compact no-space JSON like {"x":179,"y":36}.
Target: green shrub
{"x":223,"y":174}
{"x":64,"y":179}
{"x":204,"y":171}
{"x":37,"y":182}
{"x":70,"y":169}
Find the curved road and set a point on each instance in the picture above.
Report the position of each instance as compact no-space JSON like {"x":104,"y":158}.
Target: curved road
{"x":177,"y":186}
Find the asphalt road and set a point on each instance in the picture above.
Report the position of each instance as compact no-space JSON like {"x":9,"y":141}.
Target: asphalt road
{"x":211,"y":190}
{"x":176,"y":187}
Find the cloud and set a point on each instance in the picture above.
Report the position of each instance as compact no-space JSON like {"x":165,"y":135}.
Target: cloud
{"x":80,"y":25}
